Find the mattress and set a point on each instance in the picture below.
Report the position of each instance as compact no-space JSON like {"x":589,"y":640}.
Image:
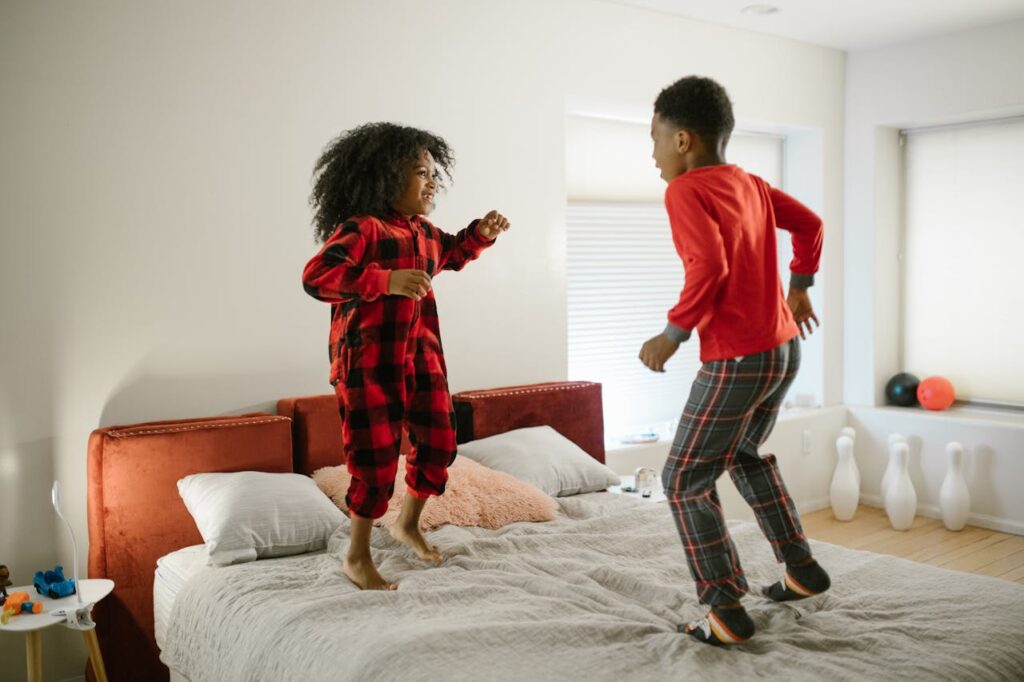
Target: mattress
{"x":172,"y":572}
{"x":595,"y":594}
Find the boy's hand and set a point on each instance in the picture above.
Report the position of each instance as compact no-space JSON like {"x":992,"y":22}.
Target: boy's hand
{"x":800,"y":303}
{"x":412,"y":284}
{"x":491,"y":225}
{"x":656,"y":352}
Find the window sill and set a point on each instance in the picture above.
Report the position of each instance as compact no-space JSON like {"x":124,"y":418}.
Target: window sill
{"x":796,"y":413}
{"x":957,"y":413}
{"x":616,"y":446}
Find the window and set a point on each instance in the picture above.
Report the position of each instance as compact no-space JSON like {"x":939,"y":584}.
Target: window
{"x":623,"y":270}
{"x":962,"y":247}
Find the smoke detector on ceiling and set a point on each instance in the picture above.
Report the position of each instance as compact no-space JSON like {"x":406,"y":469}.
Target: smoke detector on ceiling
{"x":760,"y":10}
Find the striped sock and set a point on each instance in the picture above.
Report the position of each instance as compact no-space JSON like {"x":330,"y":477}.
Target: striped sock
{"x":800,"y":582}
{"x":721,"y":627}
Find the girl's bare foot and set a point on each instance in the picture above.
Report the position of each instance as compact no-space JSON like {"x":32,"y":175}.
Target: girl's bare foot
{"x":412,"y":537}
{"x":364,"y":574}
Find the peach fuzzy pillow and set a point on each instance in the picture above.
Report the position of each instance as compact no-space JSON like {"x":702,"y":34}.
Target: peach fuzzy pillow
{"x":474,"y":496}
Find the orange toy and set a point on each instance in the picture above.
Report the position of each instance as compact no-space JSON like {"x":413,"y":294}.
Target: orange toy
{"x":18,"y":602}
{"x":936,"y":393}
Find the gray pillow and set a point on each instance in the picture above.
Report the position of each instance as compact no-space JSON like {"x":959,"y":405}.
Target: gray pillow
{"x":542,"y":457}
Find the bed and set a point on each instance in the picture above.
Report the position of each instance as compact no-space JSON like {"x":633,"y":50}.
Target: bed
{"x":595,"y":593}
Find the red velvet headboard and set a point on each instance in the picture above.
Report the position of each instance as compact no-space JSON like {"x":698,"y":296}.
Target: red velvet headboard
{"x":136,"y":515}
{"x":316,"y":431}
{"x":571,"y":408}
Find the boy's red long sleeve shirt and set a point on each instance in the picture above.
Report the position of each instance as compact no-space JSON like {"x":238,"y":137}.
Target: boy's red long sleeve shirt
{"x":723,"y":225}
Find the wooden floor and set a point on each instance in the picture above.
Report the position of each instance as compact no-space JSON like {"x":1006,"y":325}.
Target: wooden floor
{"x":974,"y":550}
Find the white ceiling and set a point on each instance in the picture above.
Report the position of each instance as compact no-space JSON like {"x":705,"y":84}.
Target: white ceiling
{"x":847,"y":24}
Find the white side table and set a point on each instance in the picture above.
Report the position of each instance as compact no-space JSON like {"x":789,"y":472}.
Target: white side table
{"x":32,"y":624}
{"x":657,"y":495}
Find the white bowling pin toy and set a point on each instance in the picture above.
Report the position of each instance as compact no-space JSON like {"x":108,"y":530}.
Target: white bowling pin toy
{"x":887,"y":476}
{"x":852,"y":433}
{"x":844,"y":493}
{"x":900,"y":498}
{"x":954,"y":498}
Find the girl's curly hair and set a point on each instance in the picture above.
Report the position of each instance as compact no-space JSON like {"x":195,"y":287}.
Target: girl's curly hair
{"x":362,"y":172}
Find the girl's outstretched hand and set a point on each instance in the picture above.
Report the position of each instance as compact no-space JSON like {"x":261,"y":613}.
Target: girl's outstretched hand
{"x":412,"y":284}
{"x":491,"y":225}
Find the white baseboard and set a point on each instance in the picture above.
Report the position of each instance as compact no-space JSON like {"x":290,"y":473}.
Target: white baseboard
{"x":813,"y":505}
{"x":973,"y":519}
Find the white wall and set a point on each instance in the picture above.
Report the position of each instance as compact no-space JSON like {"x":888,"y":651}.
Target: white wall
{"x":156,"y":169}
{"x":971,"y":75}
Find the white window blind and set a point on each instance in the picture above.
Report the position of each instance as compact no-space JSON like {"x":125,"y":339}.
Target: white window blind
{"x":623,"y":271}
{"x":963,"y":306}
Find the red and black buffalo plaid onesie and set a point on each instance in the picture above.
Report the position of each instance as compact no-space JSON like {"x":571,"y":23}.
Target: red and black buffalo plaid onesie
{"x":387,"y":365}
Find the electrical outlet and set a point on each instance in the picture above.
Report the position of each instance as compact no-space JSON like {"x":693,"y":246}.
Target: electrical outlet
{"x":805,"y":443}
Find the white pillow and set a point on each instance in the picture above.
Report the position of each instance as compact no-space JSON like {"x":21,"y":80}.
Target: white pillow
{"x":247,"y":515}
{"x":542,"y":457}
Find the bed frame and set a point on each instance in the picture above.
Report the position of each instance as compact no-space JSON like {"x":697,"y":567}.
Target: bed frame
{"x":136,"y":515}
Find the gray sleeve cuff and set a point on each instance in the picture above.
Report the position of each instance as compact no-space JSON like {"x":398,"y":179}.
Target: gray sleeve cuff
{"x":798,"y":281}
{"x":676,"y":334}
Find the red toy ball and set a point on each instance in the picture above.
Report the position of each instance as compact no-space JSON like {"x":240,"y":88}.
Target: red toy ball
{"x":935,"y":393}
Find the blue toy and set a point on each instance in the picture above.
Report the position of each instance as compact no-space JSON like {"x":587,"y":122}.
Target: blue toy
{"x":53,"y":584}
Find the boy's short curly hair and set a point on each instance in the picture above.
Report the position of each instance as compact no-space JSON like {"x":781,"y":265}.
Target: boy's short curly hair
{"x":362,"y":172}
{"x":698,"y":104}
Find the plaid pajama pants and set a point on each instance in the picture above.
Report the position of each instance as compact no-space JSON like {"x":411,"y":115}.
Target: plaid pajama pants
{"x":377,"y":396}
{"x":730,"y":413}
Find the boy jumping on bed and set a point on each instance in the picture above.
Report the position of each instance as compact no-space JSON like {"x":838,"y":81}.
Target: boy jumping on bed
{"x":723,"y":225}
{"x":373,"y":185}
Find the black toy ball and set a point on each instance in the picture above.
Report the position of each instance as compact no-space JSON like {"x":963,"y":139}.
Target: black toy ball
{"x":902,"y":390}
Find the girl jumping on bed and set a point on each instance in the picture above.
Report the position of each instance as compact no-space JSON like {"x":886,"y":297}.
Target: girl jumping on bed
{"x":723,"y":224}
{"x":373,"y":187}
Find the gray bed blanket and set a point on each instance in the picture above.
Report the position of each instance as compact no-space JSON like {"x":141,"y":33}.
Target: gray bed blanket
{"x":594,"y":595}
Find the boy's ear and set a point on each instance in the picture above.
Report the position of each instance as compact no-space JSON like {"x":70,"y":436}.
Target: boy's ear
{"x":684,"y":140}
